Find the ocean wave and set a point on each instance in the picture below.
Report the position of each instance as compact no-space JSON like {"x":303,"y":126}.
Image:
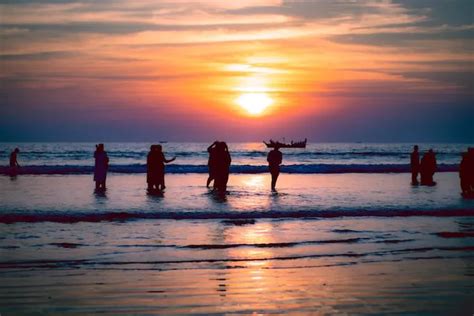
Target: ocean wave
{"x":410,"y":254}
{"x":84,"y":155}
{"x":244,"y":169}
{"x":75,"y":217}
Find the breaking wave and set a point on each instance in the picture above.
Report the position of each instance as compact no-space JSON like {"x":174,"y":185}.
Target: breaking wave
{"x":246,"y":169}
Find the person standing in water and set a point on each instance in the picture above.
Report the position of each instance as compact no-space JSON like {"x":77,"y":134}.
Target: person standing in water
{"x":14,"y":165}
{"x":222,"y":165}
{"x":464,"y":175}
{"x":274,"y":159}
{"x":428,"y":168}
{"x":211,"y":164}
{"x":100,"y":167}
{"x":156,"y":168}
{"x":415,"y":165}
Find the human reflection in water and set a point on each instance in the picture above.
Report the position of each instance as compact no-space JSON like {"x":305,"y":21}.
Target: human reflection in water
{"x":211,"y":164}
{"x":274,"y":159}
{"x":100,"y":167}
{"x":14,"y":165}
{"x":222,"y":167}
{"x":428,"y":168}
{"x":156,"y":168}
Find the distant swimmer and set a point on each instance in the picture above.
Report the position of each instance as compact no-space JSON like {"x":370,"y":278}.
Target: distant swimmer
{"x":156,"y":168}
{"x":415,"y":165}
{"x":100,"y":167}
{"x":14,"y":165}
{"x":274,"y":159}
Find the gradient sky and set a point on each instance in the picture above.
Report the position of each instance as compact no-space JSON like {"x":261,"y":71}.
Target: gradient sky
{"x":177,"y":70}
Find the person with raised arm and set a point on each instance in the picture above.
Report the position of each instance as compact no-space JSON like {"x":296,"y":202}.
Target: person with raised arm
{"x":156,"y":168}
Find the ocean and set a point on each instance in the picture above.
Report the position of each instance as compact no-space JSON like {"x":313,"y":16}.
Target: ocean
{"x":77,"y":158}
{"x":345,"y":234}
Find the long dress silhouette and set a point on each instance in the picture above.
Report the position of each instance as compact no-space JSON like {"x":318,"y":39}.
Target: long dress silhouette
{"x":223,"y":161}
{"x":428,"y":168}
{"x":156,"y":168}
{"x":415,"y":165}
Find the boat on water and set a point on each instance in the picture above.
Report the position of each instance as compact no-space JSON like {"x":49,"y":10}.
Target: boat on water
{"x":292,"y":144}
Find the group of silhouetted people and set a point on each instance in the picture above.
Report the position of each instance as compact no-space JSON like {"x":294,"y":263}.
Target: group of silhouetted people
{"x":220,"y":160}
{"x":426,"y":167}
{"x":466,"y":173}
{"x":219,"y":166}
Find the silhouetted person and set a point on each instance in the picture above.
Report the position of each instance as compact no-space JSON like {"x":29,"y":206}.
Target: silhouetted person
{"x":464,"y":175}
{"x":222,"y":165}
{"x":14,"y":165}
{"x":212,"y":163}
{"x":415,"y":165}
{"x":274,"y":159}
{"x":156,"y":168}
{"x":14,"y":158}
{"x":470,"y":168}
{"x":428,"y":168}
{"x":100,"y":167}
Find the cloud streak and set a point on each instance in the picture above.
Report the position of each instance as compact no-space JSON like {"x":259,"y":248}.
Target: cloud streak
{"x":184,"y":57}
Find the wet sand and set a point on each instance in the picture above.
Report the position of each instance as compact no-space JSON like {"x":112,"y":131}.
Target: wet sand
{"x":240,"y":260}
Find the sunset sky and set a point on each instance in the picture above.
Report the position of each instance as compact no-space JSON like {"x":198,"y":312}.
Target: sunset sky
{"x":236,"y":70}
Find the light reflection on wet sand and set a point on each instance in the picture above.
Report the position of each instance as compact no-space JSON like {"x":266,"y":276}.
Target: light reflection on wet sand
{"x":342,"y":266}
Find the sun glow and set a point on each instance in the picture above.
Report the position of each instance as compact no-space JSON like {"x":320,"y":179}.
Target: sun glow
{"x":254,"y":103}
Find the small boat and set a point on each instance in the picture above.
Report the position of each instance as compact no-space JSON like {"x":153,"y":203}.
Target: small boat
{"x":292,"y":144}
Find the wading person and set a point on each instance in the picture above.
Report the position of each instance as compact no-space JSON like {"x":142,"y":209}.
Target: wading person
{"x":415,"y":165}
{"x":156,"y":168}
{"x":100,"y":167}
{"x":274,"y":159}
{"x":211,"y":164}
{"x":14,"y":165}
{"x":428,"y":168}
{"x":222,"y":167}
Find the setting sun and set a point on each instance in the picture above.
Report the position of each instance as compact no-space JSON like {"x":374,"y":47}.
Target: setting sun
{"x":254,"y":103}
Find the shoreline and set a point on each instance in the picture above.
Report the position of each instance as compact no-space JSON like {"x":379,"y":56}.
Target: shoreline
{"x":238,"y":219}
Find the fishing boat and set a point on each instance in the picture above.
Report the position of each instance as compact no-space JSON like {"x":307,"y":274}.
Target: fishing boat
{"x":292,"y":144}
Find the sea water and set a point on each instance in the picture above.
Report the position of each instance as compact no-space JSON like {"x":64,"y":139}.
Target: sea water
{"x":66,"y":158}
{"x":345,"y":233}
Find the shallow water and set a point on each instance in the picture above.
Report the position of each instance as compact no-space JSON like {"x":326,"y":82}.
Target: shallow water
{"x":77,"y":158}
{"x":249,"y":196}
{"x":326,"y":244}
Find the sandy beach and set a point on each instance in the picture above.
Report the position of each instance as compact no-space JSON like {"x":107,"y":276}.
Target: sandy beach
{"x":325,"y":244}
